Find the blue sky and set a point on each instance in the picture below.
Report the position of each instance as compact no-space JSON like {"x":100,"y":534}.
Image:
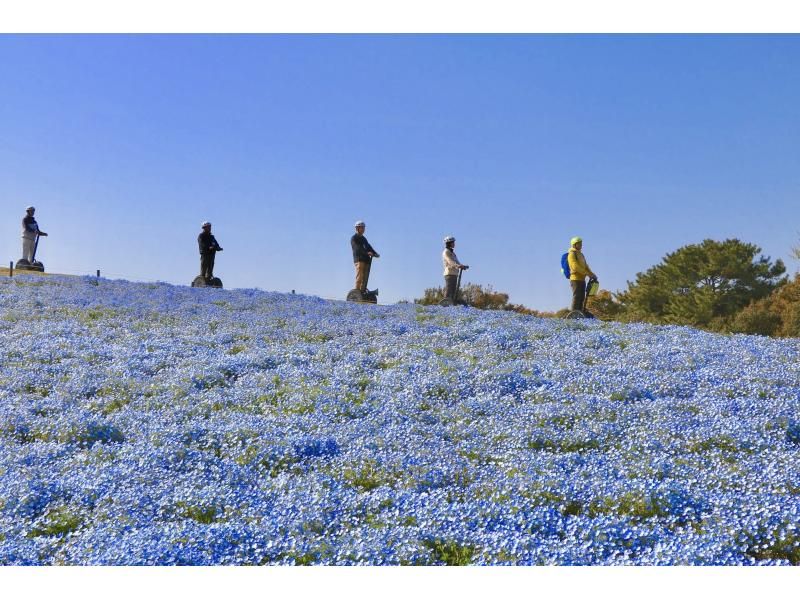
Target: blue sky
{"x":640,"y":144}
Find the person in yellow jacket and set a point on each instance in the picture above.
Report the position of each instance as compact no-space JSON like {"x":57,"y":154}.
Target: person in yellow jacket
{"x":578,"y":271}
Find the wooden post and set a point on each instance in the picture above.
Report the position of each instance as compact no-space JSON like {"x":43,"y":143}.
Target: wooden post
{"x":10,"y":269}
{"x":98,"y":274}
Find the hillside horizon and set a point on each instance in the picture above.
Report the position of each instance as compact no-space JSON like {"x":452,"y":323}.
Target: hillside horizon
{"x":153,"y":424}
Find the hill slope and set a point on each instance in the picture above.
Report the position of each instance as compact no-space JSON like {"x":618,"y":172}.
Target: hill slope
{"x":154,"y":424}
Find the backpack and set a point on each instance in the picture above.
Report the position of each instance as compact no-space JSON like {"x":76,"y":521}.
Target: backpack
{"x":565,"y":265}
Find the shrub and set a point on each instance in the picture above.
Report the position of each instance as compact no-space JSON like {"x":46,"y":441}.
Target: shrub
{"x":775,"y":315}
{"x":475,"y":295}
{"x":59,"y":522}
{"x":450,"y":552}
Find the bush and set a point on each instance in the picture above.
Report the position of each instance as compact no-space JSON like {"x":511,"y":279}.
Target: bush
{"x":472,"y":294}
{"x":604,"y":307}
{"x":475,"y":295}
{"x":775,"y":315}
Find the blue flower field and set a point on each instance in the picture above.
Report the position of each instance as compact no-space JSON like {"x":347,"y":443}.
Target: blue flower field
{"x":156,"y":424}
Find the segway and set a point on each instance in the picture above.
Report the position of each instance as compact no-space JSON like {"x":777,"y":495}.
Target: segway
{"x":359,"y":296}
{"x":366,"y":296}
{"x":447,"y":301}
{"x":582,"y":314}
{"x":201,"y":281}
{"x":33,"y":265}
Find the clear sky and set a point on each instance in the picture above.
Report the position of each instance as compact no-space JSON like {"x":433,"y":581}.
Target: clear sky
{"x":513,"y":144}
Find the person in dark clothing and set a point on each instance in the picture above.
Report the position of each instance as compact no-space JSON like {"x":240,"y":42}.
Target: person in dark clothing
{"x":208,"y":250}
{"x":363,"y":253}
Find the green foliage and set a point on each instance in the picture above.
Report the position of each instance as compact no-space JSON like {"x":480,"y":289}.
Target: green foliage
{"x":475,"y":295}
{"x":201,"y":514}
{"x":312,"y":556}
{"x":472,"y":294}
{"x":367,"y":476}
{"x":42,"y":391}
{"x":724,"y":443}
{"x":450,"y":552}
{"x":782,"y":544}
{"x":58,"y":522}
{"x":635,"y":504}
{"x":88,"y":434}
{"x":775,"y":315}
{"x":703,"y":285}
{"x":563,"y":445}
{"x":604,"y":307}
{"x":311,"y":337}
{"x":114,"y":405}
{"x":272,"y":463}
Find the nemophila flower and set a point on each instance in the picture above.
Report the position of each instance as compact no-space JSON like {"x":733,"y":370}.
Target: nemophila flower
{"x":793,"y":432}
{"x":154,"y":424}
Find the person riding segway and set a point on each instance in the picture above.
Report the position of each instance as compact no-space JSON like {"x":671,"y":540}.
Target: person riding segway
{"x":578,"y":271}
{"x":363,"y":253}
{"x":30,"y":242}
{"x":208,"y":249}
{"x":452,"y":273}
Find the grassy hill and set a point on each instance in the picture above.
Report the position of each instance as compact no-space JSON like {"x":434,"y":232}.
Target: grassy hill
{"x":4,"y":273}
{"x":156,"y":424}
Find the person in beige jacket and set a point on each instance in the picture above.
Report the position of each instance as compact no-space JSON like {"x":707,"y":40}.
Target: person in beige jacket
{"x":451,"y":268}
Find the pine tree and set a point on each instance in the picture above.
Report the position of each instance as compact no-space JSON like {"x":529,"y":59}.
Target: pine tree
{"x":703,"y":285}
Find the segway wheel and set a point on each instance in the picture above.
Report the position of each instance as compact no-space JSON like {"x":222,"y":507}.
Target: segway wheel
{"x":575,"y":315}
{"x":200,"y":282}
{"x":355,"y":295}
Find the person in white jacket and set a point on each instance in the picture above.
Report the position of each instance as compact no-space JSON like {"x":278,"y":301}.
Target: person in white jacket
{"x":30,"y":232}
{"x":451,"y":268}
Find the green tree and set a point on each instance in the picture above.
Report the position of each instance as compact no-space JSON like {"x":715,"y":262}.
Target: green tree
{"x":775,"y":315}
{"x":702,"y":285}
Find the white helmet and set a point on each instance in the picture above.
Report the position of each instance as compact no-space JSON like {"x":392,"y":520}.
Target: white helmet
{"x":205,"y":224}
{"x":360,"y":223}
{"x":30,"y":209}
{"x":449,"y":240}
